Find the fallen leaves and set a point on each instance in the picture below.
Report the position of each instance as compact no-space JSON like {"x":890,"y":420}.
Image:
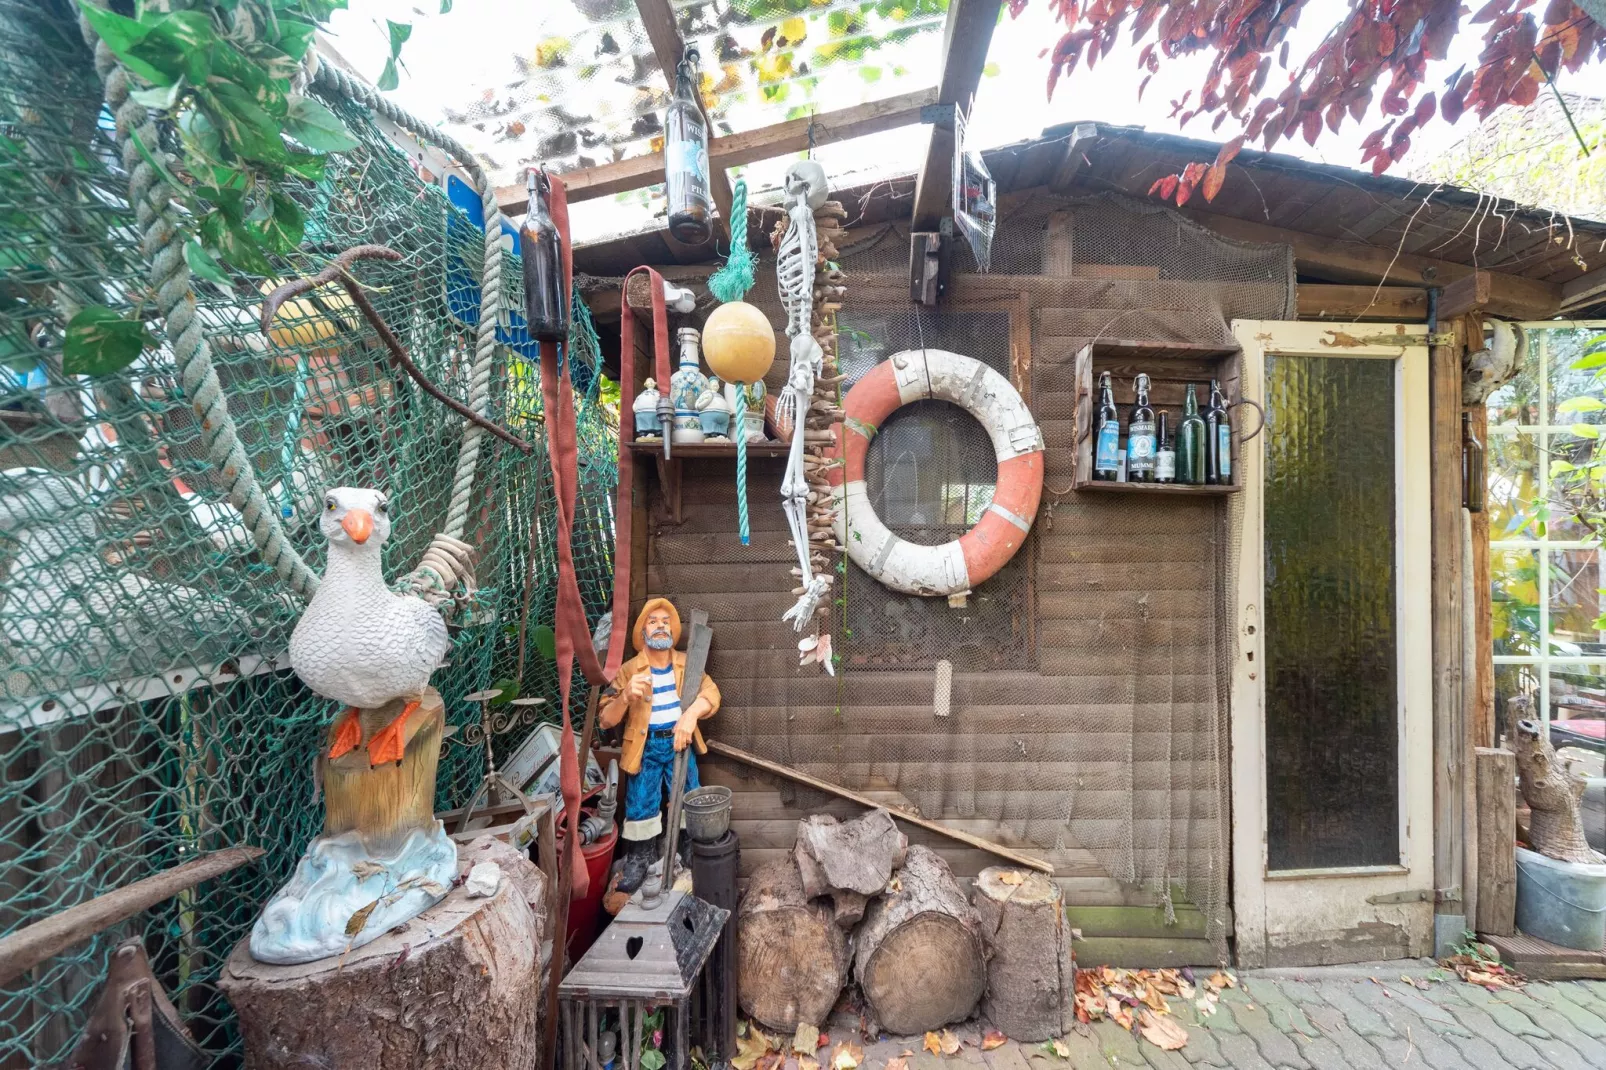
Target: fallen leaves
{"x":806,"y":1039}
{"x":1057,"y":1048}
{"x":355,"y":923}
{"x":900,"y":1062}
{"x":1162,"y":1030}
{"x":992,"y":1039}
{"x":751,"y":1048}
{"x":846,"y":1056}
{"x":1012,"y":876}
{"x":1136,"y":1000}
{"x":1478,"y":963}
{"x":944,"y":1043}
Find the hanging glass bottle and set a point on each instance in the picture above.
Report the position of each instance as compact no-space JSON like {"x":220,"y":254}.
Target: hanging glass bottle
{"x":541,"y":249}
{"x":691,"y":208}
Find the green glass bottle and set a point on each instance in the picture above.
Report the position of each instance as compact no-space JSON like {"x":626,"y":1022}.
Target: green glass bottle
{"x":1191,"y":442}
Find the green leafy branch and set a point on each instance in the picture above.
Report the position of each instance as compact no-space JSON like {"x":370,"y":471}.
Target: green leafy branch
{"x":220,"y":71}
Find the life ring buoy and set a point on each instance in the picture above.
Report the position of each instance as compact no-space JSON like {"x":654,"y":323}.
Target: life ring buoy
{"x":957,"y":566}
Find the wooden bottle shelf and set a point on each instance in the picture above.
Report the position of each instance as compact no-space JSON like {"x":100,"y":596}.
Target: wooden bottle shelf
{"x":669,"y":471}
{"x":1171,"y":366}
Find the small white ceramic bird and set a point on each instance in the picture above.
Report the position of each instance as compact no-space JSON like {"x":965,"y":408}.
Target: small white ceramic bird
{"x":358,"y":642}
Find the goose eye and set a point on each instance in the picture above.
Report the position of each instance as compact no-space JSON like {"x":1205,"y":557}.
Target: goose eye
{"x":384,"y":506}
{"x":329,"y":503}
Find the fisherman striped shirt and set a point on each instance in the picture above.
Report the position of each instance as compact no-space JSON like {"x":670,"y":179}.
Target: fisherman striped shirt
{"x":665,"y":698}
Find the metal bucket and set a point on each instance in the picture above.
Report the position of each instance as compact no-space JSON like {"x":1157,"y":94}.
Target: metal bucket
{"x":708,"y":813}
{"x":1563,"y":902}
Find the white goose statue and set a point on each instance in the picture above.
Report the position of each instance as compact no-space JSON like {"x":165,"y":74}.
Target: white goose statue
{"x":358,"y":642}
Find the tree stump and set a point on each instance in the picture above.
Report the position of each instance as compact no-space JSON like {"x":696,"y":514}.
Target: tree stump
{"x":919,"y":958}
{"x":792,"y":959}
{"x":1031,"y":979}
{"x":458,"y":987}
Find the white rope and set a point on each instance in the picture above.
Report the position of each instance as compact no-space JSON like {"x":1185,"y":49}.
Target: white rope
{"x":169,"y":276}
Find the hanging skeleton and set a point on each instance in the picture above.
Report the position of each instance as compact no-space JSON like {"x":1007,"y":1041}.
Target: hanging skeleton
{"x":808,"y":404}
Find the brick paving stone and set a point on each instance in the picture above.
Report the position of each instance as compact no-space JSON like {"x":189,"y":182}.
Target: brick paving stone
{"x":1242,"y":1053}
{"x":1160,"y":1059}
{"x":1357,"y":1015}
{"x":1558,"y":1025}
{"x":1322,"y":1053}
{"x":1085,"y":1053}
{"x":1285,"y":1014}
{"x":1503,"y":1007}
{"x":1427,"y":1006}
{"x":1515,"y":1050}
{"x":1254,"y":1018}
{"x":1119,"y":1047}
{"x":1565,"y":994}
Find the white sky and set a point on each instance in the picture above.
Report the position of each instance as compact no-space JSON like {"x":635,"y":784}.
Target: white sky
{"x":1011,"y":104}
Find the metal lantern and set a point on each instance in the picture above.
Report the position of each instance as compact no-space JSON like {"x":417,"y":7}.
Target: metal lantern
{"x":650,"y":957}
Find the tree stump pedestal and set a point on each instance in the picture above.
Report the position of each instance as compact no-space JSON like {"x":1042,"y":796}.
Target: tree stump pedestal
{"x":455,"y":988}
{"x":1031,"y":978}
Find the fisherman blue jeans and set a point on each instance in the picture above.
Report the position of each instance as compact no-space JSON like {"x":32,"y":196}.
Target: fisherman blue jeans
{"x":647,"y":792}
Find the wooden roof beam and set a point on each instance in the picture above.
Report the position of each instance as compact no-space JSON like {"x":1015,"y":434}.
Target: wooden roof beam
{"x":966,"y":38}
{"x":750,"y":146}
{"x":658,"y":19}
{"x":1349,"y":261}
{"x":1585,"y":290}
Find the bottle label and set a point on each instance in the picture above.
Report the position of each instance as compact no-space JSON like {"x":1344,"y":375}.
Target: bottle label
{"x":1165,"y":464}
{"x":689,"y":158}
{"x":1109,"y":446}
{"x":1224,"y":445}
{"x":1140,"y":446}
{"x":1121,"y":471}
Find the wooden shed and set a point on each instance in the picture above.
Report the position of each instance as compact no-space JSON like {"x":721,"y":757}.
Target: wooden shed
{"x":1237,"y":719}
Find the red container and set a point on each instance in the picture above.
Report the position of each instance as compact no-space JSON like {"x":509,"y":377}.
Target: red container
{"x":585,"y":915}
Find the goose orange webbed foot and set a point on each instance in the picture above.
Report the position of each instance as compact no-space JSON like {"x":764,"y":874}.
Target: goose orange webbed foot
{"x":347,"y":735}
{"x":389,"y":743}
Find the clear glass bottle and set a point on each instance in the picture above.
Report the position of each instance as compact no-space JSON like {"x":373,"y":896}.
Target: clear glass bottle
{"x":541,"y":249}
{"x":1165,"y":450}
{"x":686,"y":187}
{"x":1140,"y":442}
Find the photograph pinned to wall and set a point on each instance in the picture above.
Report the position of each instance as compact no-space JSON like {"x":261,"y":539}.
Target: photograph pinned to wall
{"x":975,"y":197}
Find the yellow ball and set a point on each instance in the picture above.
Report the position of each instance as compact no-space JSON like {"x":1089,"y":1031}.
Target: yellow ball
{"x":738,"y":343}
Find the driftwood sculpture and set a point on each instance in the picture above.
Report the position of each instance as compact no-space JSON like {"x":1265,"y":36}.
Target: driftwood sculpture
{"x":1553,"y":792}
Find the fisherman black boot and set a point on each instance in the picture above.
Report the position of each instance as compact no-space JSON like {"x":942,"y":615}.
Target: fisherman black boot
{"x":638,"y":856}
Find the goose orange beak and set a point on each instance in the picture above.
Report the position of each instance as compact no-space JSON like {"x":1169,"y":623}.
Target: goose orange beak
{"x":359,"y":524}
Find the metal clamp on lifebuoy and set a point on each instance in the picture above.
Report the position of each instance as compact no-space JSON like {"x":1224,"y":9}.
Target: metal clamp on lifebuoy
{"x":958,"y":566}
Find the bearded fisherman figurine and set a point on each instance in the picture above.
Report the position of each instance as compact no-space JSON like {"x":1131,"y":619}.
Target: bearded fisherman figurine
{"x":646,"y":697}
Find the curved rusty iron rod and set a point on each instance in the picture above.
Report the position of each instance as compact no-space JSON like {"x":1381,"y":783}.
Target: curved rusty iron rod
{"x":337,"y":272}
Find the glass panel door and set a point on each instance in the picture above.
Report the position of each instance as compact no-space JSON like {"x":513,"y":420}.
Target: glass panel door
{"x":1330,"y":646}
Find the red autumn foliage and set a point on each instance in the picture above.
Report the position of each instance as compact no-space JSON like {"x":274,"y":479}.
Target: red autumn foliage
{"x":1380,"y":47}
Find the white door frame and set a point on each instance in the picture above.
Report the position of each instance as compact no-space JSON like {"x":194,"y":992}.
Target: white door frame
{"x":1312,"y":917}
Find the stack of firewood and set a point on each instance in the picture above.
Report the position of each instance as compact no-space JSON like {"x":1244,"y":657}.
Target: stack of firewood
{"x":854,"y":901}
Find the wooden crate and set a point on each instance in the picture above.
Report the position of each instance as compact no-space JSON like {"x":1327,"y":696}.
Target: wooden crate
{"x":1171,"y":366}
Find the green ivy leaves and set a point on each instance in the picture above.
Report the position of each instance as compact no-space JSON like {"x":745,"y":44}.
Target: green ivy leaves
{"x":100,"y":342}
{"x":222,"y":69}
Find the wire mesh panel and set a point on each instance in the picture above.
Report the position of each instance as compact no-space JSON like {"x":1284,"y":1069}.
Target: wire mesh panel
{"x":146,"y":711}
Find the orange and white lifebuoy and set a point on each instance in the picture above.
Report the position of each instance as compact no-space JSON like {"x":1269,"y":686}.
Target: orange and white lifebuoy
{"x":958,"y":566}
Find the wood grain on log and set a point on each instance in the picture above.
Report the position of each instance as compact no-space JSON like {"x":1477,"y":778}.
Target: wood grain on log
{"x":456,"y":988}
{"x":792,"y":959}
{"x":1031,"y":980}
{"x":919,"y":958}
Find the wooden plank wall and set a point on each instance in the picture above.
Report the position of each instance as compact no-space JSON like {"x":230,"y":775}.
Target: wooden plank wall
{"x":1107,"y":756}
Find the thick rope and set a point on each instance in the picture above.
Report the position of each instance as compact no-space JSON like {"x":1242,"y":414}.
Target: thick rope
{"x":731,"y":283}
{"x":169,"y":276}
{"x":333,"y":79}
{"x":740,"y":419}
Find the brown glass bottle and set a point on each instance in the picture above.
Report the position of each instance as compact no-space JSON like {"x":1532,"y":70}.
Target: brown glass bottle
{"x":546,"y":312}
{"x":691,"y":208}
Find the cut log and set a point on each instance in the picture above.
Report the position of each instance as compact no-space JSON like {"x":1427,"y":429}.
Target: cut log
{"x":456,"y":987}
{"x":1031,"y":979}
{"x":792,"y":957}
{"x":919,"y":959}
{"x":850,"y":861}
{"x":1553,"y":791}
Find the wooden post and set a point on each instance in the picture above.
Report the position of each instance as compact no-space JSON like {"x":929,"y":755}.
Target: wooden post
{"x":1480,"y":689}
{"x":1497,"y":833}
{"x":1450,"y":742}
